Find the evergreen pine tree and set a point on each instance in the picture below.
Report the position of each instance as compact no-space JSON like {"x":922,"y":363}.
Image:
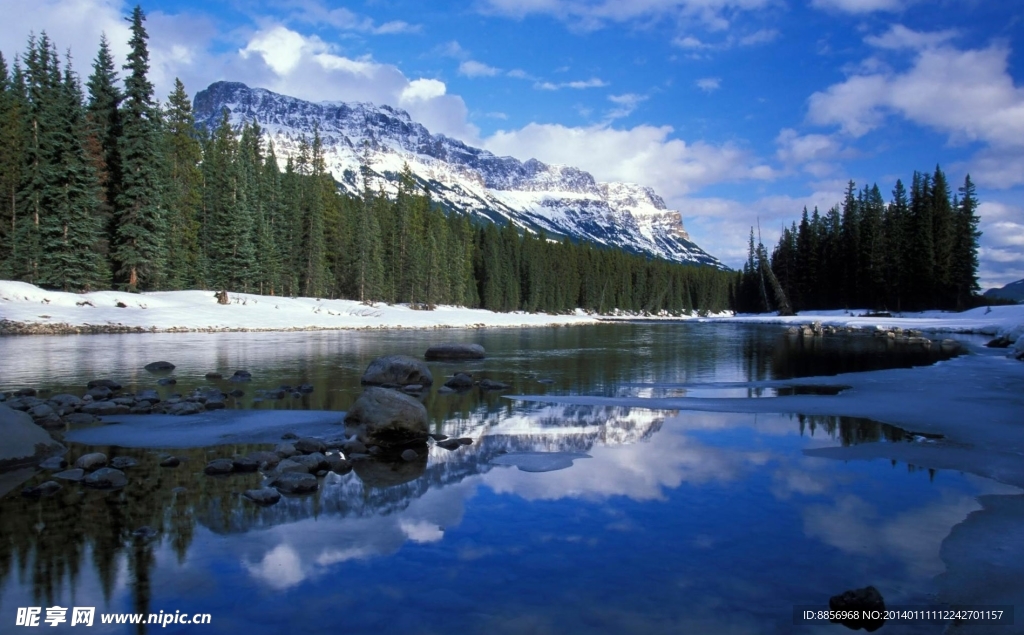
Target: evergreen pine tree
{"x":964,"y":258}
{"x":104,"y":129}
{"x":139,"y":239}
{"x":895,"y":224}
{"x":70,"y":229}
{"x":942,"y":235}
{"x":184,"y":194}
{"x":13,"y":108}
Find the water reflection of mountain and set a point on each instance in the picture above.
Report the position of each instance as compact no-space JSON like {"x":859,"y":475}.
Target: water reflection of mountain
{"x":368,"y":492}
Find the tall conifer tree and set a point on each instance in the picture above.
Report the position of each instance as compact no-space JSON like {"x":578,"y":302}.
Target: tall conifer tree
{"x":139,"y":249}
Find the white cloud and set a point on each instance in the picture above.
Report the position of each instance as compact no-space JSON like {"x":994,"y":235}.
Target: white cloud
{"x":709,"y":84}
{"x":810,"y":152}
{"x":985,"y":105}
{"x":518,"y":73}
{"x":77,"y":24}
{"x":595,"y":14}
{"x":317,"y":13}
{"x":625,"y":104}
{"x":860,"y":6}
{"x":282,"y":60}
{"x":472,"y":68}
{"x":1001,"y":254}
{"x":762,"y":36}
{"x":900,"y":37}
{"x":642,"y":154}
{"x":593,"y":82}
{"x":732,"y":40}
{"x":422,"y":90}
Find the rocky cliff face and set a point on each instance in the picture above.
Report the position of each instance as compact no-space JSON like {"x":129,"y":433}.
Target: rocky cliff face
{"x":560,"y":200}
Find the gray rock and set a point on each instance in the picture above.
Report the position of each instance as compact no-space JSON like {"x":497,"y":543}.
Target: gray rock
{"x":214,"y":376}
{"x":74,"y":475}
{"x":245,"y":464}
{"x":305,"y":388}
{"x":308,"y":445}
{"x":291,"y":465}
{"x":124,"y":401}
{"x":218,"y":467}
{"x":276,"y":394}
{"x":296,"y":395}
{"x":453,"y":351}
{"x":295,"y":483}
{"x":339,"y":465}
{"x":149,"y":395}
{"x":141,"y":409}
{"x":105,"y":383}
{"x":25,"y":392}
{"x":354,"y":447}
{"x":80,"y":418}
{"x":24,"y":403}
{"x":53,"y":463}
{"x":445,"y":390}
{"x":49,"y":488}
{"x":167,"y":381}
{"x":154,"y":367}
{"x":266,"y":460}
{"x":185,"y":408}
{"x":241,"y":375}
{"x":99,"y":393}
{"x":106,"y":478}
{"x":92,"y":461}
{"x":412,"y":388}
{"x":461,"y":381}
{"x":101,"y":408}
{"x":285,"y":450}
{"x":313,"y":462}
{"x":388,"y":418}
{"x":171,"y":461}
{"x":44,"y":414}
{"x":263,"y":496}
{"x":409,"y":455}
{"x":487,"y":384}
{"x":214,"y":404}
{"x":236,"y":393}
{"x":289,"y":436}
{"x":398,"y":370}
{"x":65,"y":400}
{"x":123,"y":462}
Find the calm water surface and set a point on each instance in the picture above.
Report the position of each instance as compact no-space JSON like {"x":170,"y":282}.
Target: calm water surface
{"x":675,"y":522}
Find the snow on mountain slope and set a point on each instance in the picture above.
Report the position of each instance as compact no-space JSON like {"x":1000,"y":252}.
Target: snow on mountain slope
{"x":560,"y":200}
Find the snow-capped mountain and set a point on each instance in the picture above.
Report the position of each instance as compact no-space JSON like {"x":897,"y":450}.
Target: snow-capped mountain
{"x":561,"y":200}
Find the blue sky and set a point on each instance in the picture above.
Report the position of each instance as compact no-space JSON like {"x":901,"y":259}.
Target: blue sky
{"x":733,"y":110}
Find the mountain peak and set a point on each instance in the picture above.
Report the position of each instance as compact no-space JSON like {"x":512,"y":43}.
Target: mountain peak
{"x":561,"y":200}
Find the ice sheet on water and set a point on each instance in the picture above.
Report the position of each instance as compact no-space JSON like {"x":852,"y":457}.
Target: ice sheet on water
{"x":539,"y":461}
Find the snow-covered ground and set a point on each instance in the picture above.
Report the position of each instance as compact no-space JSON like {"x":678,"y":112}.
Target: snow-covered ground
{"x":27,"y":308}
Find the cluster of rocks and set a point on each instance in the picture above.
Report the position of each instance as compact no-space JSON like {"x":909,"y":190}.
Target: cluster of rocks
{"x":92,"y":470}
{"x":1011,"y":338}
{"x":292,"y":468}
{"x":816,"y":329}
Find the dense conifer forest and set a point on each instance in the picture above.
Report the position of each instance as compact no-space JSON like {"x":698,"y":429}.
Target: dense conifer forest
{"x":107,"y":188}
{"x":918,"y":251}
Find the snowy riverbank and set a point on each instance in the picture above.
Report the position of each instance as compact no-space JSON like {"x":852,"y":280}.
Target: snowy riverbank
{"x":27,"y":309}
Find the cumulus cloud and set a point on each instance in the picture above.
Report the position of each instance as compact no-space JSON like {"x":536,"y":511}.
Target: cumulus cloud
{"x":642,"y":154}
{"x":709,"y":84}
{"x":813,"y":153}
{"x":756,"y":38}
{"x":986,"y":105}
{"x":285,"y":61}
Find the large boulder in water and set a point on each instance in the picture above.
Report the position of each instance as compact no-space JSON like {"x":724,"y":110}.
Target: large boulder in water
{"x":454,"y":352}
{"x":24,"y":443}
{"x":388,"y":418}
{"x":156,"y":367}
{"x":397,"y":370}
